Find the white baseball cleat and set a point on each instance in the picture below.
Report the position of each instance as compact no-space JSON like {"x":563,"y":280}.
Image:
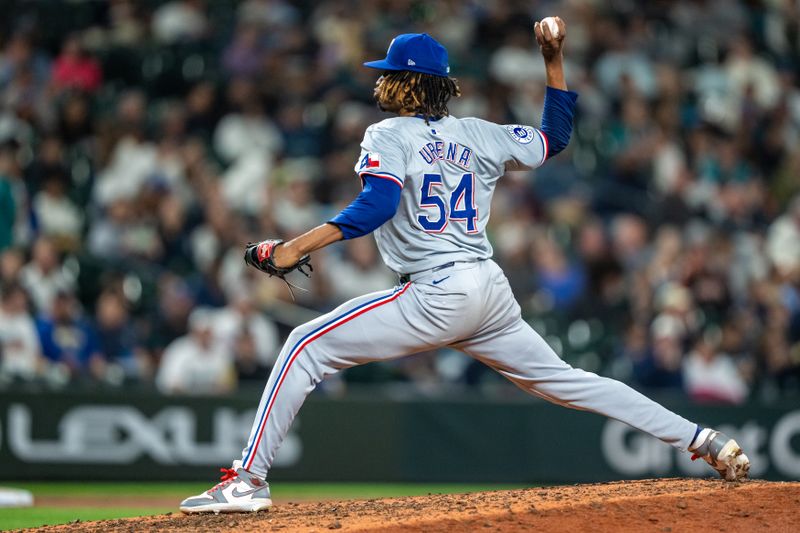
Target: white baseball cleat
{"x":239,"y":491}
{"x":723,"y":454}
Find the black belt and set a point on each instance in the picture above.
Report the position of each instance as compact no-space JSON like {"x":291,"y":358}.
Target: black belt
{"x":405,"y":278}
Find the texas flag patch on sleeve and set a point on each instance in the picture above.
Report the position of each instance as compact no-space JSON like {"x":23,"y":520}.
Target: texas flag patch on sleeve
{"x":370,"y":161}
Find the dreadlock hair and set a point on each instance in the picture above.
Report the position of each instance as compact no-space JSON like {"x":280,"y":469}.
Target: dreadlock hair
{"x":421,"y":93}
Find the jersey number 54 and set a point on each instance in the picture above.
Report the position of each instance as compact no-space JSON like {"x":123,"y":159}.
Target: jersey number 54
{"x":460,"y":206}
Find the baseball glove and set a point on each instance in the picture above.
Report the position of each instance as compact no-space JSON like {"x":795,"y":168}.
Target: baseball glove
{"x":259,"y":255}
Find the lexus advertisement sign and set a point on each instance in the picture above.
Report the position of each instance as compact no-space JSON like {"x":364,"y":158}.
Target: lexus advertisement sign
{"x":148,"y":436}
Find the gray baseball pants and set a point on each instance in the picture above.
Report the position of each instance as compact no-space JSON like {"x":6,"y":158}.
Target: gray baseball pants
{"x":469,"y":307}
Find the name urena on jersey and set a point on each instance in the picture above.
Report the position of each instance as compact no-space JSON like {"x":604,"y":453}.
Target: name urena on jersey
{"x":454,"y":152}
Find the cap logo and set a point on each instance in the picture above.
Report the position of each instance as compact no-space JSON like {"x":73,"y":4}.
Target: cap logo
{"x":411,"y":62}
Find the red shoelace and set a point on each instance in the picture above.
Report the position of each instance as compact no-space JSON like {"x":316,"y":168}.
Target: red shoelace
{"x":228,"y":475}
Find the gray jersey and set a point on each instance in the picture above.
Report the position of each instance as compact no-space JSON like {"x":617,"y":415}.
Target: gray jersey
{"x":448,"y":170}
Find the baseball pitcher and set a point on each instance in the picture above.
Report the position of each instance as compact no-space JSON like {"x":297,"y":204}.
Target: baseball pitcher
{"x":428,"y":180}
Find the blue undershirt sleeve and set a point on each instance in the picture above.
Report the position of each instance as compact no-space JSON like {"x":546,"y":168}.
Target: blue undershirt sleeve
{"x":376,"y":204}
{"x":559,"y":110}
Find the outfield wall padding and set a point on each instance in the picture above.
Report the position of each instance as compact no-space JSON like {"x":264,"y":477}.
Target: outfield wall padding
{"x":146,"y":436}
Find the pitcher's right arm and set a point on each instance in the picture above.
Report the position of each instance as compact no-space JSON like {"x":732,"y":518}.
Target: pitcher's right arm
{"x":559,"y":103}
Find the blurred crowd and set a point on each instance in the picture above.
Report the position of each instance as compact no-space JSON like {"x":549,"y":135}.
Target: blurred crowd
{"x":143,"y":142}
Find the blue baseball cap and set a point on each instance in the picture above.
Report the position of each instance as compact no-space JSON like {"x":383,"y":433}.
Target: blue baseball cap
{"x":418,"y":52}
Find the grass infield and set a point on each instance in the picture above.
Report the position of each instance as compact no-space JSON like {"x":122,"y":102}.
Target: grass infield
{"x":169,"y":496}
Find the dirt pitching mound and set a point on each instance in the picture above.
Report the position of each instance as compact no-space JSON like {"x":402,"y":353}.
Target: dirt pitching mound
{"x":649,"y":505}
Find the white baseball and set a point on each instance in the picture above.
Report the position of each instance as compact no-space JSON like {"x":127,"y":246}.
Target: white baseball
{"x":552,"y":24}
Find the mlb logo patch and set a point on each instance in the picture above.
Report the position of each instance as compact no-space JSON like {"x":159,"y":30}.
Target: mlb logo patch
{"x":370,"y":161}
